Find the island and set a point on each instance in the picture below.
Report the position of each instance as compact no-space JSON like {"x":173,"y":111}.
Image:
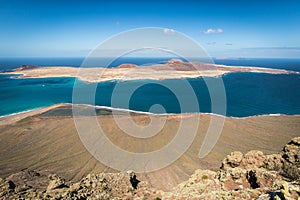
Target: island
{"x":173,"y":69}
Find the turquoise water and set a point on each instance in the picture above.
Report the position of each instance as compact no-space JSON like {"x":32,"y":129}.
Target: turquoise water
{"x":247,"y":94}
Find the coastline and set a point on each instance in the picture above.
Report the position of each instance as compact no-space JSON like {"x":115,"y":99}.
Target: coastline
{"x":15,"y":117}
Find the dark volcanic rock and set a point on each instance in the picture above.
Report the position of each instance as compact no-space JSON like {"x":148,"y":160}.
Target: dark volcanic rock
{"x":25,"y":67}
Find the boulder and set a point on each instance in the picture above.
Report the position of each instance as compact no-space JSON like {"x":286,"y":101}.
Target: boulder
{"x":55,"y":182}
{"x":291,"y":152}
{"x":6,"y":187}
{"x":273,"y":162}
{"x":233,"y":179}
{"x":253,"y":159}
{"x":261,"y":178}
{"x":232,"y":160}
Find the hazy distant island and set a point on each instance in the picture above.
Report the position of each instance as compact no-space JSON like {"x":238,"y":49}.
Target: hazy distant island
{"x":173,"y":69}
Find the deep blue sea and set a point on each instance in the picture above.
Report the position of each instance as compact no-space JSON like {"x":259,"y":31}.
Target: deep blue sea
{"x":247,"y":94}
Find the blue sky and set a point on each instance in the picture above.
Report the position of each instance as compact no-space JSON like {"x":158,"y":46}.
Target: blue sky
{"x":224,"y":28}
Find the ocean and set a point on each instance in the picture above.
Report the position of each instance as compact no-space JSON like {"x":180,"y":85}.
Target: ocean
{"x":247,"y":94}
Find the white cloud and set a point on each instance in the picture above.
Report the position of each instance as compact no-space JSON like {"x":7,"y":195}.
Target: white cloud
{"x":211,"y":31}
{"x":169,"y":31}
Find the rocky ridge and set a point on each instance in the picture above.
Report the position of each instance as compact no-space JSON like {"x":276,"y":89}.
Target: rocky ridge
{"x":241,"y":176}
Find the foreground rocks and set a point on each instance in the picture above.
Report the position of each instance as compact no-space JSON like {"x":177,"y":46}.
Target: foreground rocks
{"x":93,"y":186}
{"x":241,"y":176}
{"x":247,"y":176}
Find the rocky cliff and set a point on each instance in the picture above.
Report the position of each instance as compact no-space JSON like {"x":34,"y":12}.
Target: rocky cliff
{"x":241,"y":176}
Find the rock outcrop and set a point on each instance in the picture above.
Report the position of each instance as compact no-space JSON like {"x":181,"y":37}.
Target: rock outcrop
{"x":241,"y":176}
{"x":250,"y":176}
{"x":25,"y":67}
{"x":127,"y":66}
